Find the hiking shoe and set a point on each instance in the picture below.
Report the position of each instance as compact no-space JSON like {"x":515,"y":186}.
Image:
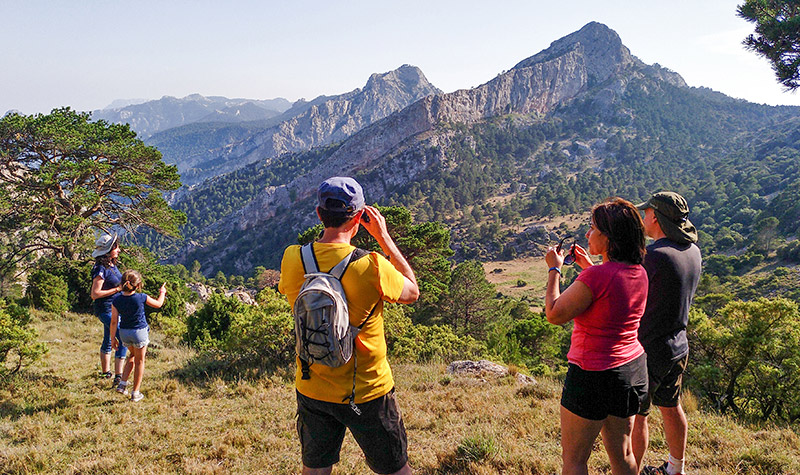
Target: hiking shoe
{"x":651,"y":470}
{"x":105,"y":375}
{"x":122,"y":389}
{"x":136,"y":396}
{"x":117,"y":379}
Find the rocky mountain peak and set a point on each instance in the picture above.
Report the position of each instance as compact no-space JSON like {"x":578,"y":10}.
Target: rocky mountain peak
{"x":600,"y":46}
{"x":406,"y":77}
{"x":406,"y":83}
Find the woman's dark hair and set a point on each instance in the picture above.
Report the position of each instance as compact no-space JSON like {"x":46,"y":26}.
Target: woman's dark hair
{"x":334,"y":219}
{"x":105,"y":260}
{"x":620,"y":222}
{"x":131,"y":281}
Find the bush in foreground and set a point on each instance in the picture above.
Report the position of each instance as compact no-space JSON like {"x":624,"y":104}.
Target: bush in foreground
{"x":230,"y":333}
{"x":47,"y":292}
{"x":18,"y":345}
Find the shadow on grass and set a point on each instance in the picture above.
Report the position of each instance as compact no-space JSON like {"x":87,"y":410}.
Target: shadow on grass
{"x":27,"y":384}
{"x":208,"y":366}
{"x":12,"y":411}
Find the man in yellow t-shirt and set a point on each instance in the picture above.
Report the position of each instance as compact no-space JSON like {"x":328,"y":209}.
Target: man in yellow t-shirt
{"x":322,"y":416}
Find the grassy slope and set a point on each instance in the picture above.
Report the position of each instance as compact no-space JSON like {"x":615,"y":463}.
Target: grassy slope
{"x":61,"y":419}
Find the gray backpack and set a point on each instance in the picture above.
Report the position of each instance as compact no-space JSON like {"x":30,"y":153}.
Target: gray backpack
{"x":323,"y":333}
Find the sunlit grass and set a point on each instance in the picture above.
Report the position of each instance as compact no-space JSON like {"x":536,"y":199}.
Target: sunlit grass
{"x":59,"y":418}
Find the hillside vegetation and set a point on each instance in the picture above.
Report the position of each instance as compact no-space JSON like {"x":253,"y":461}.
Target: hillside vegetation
{"x":59,"y":418}
{"x":737,"y":163}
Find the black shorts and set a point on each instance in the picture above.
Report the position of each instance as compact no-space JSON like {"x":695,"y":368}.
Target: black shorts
{"x":666,"y":381}
{"x":596,"y":395}
{"x":379,"y":431}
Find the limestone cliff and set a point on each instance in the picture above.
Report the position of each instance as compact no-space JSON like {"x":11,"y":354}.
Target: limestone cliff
{"x":594,"y":55}
{"x":310,"y":124}
{"x":589,"y":65}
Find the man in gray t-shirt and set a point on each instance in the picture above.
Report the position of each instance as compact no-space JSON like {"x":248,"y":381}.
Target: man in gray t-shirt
{"x":673,"y":265}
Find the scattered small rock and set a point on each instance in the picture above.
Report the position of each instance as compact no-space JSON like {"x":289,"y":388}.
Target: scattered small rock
{"x":201,"y":290}
{"x":241,"y":295}
{"x":484,"y":368}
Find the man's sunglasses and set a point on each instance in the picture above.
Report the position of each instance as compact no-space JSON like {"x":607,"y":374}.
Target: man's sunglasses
{"x":569,"y":259}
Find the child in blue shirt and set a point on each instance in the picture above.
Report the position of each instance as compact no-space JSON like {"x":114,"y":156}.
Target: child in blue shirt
{"x":127,"y":308}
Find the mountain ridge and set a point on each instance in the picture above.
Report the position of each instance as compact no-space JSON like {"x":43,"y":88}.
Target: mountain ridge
{"x":305,"y":125}
{"x":150,"y":117}
{"x":533,"y":140}
{"x":534,"y":86}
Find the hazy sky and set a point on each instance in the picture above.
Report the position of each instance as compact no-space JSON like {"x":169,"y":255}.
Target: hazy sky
{"x":87,"y":53}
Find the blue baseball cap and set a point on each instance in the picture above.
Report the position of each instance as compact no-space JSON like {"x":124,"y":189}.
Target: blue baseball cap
{"x":341,"y":195}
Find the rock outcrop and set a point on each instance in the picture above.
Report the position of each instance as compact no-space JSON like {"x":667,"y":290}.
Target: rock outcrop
{"x":595,"y":54}
{"x":485,"y":369}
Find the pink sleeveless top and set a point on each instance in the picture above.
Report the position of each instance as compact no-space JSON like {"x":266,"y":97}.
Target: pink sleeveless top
{"x":605,"y":334}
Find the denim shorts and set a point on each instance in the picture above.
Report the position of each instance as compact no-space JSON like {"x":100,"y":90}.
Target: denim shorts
{"x":138,"y":338}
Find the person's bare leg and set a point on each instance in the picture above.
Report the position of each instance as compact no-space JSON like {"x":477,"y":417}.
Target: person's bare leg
{"x":577,"y":438}
{"x":617,"y":441}
{"x":126,"y":370}
{"x":676,"y":429}
{"x":138,"y":366}
{"x":640,"y":439}
{"x":119,"y":364}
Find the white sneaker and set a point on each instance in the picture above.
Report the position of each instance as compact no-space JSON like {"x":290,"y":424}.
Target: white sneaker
{"x":122,"y":389}
{"x":136,"y":396}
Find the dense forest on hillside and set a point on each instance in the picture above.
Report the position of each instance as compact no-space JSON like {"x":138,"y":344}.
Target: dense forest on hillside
{"x":735,"y":162}
{"x":695,"y":144}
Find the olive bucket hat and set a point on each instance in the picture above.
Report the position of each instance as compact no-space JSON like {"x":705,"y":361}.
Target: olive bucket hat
{"x":672,"y":213}
{"x":104,"y":244}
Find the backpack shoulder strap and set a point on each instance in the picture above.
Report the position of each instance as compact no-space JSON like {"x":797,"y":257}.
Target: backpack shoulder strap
{"x":338,"y":269}
{"x":310,"y":265}
{"x":358,"y":253}
{"x":355,"y":255}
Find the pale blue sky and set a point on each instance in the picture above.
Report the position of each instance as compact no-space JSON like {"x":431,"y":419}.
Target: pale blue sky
{"x":87,"y":53}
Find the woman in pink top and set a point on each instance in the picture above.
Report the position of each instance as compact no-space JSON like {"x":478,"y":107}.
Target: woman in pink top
{"x":607,"y":376}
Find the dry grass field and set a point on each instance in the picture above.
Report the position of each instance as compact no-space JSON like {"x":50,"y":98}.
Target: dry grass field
{"x":506,"y":274}
{"x":59,"y":418}
{"x":531,"y":272}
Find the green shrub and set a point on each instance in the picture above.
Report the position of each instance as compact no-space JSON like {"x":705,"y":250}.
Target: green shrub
{"x":47,"y":292}
{"x":746,"y":357}
{"x":208,"y":327}
{"x":18,"y":345}
{"x":77,"y":276}
{"x":540,"y":343}
{"x":247,"y":338}
{"x":421,"y":343}
{"x":263,"y":336}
